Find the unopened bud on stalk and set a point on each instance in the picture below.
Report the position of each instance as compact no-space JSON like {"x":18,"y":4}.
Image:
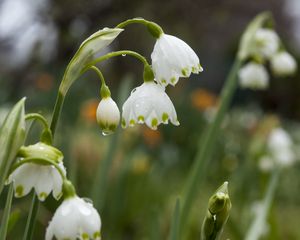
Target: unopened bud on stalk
{"x":217,"y":214}
{"x":108,"y":113}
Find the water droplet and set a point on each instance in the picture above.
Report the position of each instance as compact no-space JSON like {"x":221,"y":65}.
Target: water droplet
{"x":123,"y":55}
{"x":106,"y":133}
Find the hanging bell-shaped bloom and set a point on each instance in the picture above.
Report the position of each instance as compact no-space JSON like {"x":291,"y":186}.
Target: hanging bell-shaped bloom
{"x":253,"y":76}
{"x":74,"y":219}
{"x":173,"y":58}
{"x":280,"y":146}
{"x":283,"y":64}
{"x":148,"y":104}
{"x":266,"y":42}
{"x":43,"y":178}
{"x":108,"y":115}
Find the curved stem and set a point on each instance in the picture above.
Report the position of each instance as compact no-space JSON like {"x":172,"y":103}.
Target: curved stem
{"x":131,"y":21}
{"x":115,"y":54}
{"x":56,"y":112}
{"x":38,"y":161}
{"x":99,"y":73}
{"x":39,"y":117}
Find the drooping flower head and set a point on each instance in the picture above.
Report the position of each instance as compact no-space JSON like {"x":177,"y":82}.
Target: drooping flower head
{"x":253,"y":76}
{"x":74,"y":219}
{"x":173,"y":58}
{"x":283,"y":64}
{"x":148,"y":104}
{"x":108,"y":115}
{"x":266,"y":42}
{"x":43,"y":178}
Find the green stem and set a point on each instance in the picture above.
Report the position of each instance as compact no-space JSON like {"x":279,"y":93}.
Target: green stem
{"x":201,"y":161}
{"x":5,"y":217}
{"x":39,"y":117}
{"x":56,"y":112}
{"x":152,"y":27}
{"x":115,"y":54}
{"x":28,"y":235}
{"x":255,"y":232}
{"x":174,"y":230}
{"x":99,"y":73}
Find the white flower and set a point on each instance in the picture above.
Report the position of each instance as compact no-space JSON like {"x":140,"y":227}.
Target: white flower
{"x":253,"y":76}
{"x":108,"y":115}
{"x":173,"y":58}
{"x":43,"y":178}
{"x":74,"y":218}
{"x":266,"y":42}
{"x":266,"y":163}
{"x":283,"y":64}
{"x":148,"y":104}
{"x":280,"y":146}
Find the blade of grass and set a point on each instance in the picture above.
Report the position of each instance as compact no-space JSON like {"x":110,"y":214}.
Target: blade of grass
{"x":31,"y":218}
{"x":174,"y":230}
{"x":5,"y":218}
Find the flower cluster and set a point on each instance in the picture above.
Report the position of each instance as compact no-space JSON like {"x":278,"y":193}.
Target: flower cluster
{"x":171,"y":58}
{"x":280,"y":151}
{"x":266,"y":47}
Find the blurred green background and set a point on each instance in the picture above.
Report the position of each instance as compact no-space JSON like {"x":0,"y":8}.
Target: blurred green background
{"x":143,"y":171}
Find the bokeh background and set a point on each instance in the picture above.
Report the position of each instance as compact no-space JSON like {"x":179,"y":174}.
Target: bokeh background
{"x":140,"y":172}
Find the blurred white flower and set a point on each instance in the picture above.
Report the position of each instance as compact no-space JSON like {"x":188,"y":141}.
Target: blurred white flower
{"x":173,"y":58}
{"x":74,"y":219}
{"x":280,"y":146}
{"x":108,"y":115}
{"x":266,"y":164}
{"x":148,"y":104}
{"x":266,"y":42}
{"x":283,"y":64}
{"x":253,"y":76}
{"x":43,"y":178}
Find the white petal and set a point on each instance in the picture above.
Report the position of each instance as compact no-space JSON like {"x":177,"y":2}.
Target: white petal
{"x":44,"y":182}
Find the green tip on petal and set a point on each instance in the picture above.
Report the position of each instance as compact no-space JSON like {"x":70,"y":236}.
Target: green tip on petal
{"x":131,"y":122}
{"x":184,"y":72}
{"x":173,"y":80}
{"x":165,"y":117}
{"x":154,"y":123}
{"x":43,"y":196}
{"x":97,"y":235}
{"x":141,"y":119}
{"x":123,"y":123}
{"x":85,"y":236}
{"x":19,"y":191}
{"x":163,"y":81}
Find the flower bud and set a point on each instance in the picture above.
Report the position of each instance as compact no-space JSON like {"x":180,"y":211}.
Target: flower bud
{"x":108,"y":115}
{"x":283,"y":64}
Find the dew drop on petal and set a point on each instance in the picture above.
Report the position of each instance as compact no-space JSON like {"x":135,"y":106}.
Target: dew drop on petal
{"x":123,"y":55}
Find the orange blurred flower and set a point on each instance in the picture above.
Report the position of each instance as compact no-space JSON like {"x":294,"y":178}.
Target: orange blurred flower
{"x":44,"y":81}
{"x":88,"y":110}
{"x":202,"y":99}
{"x":151,"y":137}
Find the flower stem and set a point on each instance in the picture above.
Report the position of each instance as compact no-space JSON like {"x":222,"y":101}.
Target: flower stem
{"x":254,"y":232}
{"x":56,"y":112}
{"x":39,"y":117}
{"x":154,"y":29}
{"x":6,"y":213}
{"x":115,"y":54}
{"x":174,"y":230}
{"x":200,"y":165}
{"x":28,"y":235}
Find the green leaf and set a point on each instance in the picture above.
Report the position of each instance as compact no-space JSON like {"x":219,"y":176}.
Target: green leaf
{"x":5,"y":218}
{"x":246,"y":43}
{"x":85,"y":54}
{"x":174,"y":230}
{"x":12,"y":136}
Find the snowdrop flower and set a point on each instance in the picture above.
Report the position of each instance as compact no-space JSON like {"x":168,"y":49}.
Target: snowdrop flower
{"x":173,"y":58}
{"x":283,"y":64}
{"x":74,"y":219}
{"x":108,"y":115}
{"x":280,"y":146}
{"x":266,"y":42}
{"x":43,"y":178}
{"x":253,"y":76}
{"x":266,"y":163}
{"x":148,"y":104}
